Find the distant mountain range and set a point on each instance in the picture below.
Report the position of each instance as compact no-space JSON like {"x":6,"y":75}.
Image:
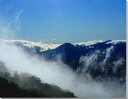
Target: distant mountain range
{"x":101,"y":59}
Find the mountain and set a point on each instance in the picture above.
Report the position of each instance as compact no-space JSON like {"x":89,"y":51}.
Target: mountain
{"x":100,"y":59}
{"x":28,"y":86}
{"x":69,"y":54}
{"x":12,"y":90}
{"x":31,"y":47}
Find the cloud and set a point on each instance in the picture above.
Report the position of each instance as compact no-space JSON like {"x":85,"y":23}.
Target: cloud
{"x":51,"y":72}
{"x":54,"y":39}
{"x":118,"y":63}
{"x":57,"y":73}
{"x":89,"y":43}
{"x":108,"y":54}
{"x":10,"y":20}
{"x":10,"y":26}
{"x":89,"y":60}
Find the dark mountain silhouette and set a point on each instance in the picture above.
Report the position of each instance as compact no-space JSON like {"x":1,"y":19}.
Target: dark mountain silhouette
{"x":12,"y":90}
{"x":68,"y":52}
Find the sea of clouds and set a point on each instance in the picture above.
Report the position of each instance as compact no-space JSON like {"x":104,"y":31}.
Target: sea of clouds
{"x":16,"y":59}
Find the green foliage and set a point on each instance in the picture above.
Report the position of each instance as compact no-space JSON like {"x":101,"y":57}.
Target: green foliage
{"x":31,"y":84}
{"x":10,"y":89}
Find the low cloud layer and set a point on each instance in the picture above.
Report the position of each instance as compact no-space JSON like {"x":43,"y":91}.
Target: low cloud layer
{"x":57,"y":73}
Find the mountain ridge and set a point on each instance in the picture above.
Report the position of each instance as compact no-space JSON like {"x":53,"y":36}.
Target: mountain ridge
{"x":109,"y":55}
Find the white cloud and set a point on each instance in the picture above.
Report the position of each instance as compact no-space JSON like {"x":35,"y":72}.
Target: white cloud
{"x":108,"y":54}
{"x":10,"y":26}
{"x":50,"y":72}
{"x":57,"y":73}
{"x":89,"y":60}
{"x":31,"y":45}
{"x":89,"y":42}
{"x":54,"y":39}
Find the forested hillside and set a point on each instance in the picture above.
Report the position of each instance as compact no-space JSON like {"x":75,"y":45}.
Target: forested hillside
{"x":25,"y":85}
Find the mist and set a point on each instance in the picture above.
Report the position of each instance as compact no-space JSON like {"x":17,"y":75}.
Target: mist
{"x":57,"y":73}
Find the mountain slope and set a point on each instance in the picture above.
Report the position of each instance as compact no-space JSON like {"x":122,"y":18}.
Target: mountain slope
{"x":25,"y":85}
{"x":100,"y":59}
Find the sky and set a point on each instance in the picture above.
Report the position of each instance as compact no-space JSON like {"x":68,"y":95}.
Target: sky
{"x":58,"y":21}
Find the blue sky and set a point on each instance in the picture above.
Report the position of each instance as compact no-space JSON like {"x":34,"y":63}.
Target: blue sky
{"x":65,"y":20}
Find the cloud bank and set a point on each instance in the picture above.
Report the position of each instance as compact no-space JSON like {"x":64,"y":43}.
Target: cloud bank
{"x":56,"y":73}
